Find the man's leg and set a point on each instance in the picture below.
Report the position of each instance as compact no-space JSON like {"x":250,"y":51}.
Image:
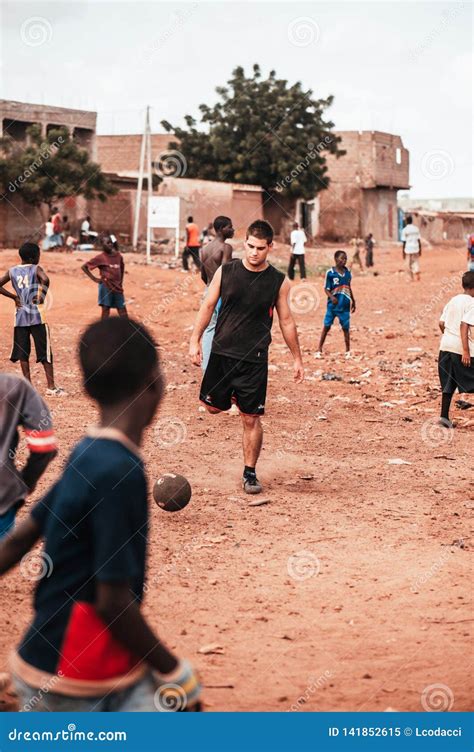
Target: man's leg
{"x":347,"y":339}
{"x":105,"y":312}
{"x":195,"y":257}
{"x":252,"y":439}
{"x":123,"y":312}
{"x":445,"y":405}
{"x":185,"y":257}
{"x":302,"y":266}
{"x":291,"y":267}
{"x":322,"y":340}
{"x":49,"y":372}
{"x":25,"y":369}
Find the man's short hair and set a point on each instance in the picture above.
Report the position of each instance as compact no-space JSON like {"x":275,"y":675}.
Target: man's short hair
{"x":409,"y":219}
{"x":468,"y":281}
{"x":190,"y":219}
{"x":29,"y":253}
{"x":117,"y":356}
{"x":220,"y":222}
{"x":261,"y":229}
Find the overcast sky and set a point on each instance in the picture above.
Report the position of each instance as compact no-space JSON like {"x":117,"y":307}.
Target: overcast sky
{"x":401,"y":67}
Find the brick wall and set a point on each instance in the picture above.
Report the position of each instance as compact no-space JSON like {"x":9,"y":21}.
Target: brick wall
{"x":122,"y":153}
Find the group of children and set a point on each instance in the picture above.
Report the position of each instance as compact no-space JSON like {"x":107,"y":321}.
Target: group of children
{"x":89,"y":647}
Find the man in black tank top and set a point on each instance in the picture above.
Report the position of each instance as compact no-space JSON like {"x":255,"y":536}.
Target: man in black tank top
{"x":250,"y":289}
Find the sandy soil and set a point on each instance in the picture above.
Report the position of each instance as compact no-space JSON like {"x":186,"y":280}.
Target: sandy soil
{"x":350,"y":589}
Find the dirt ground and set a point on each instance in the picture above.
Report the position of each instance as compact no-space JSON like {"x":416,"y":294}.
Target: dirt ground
{"x":349,"y":590}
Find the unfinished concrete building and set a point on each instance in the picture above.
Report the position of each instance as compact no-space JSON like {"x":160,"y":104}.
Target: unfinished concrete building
{"x":362,"y":194}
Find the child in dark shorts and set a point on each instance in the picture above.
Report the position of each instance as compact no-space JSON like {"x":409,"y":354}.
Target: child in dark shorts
{"x":111,"y":268}
{"x":456,"y":355}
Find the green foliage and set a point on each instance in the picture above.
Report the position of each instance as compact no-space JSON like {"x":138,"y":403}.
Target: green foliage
{"x":263,"y":132}
{"x":49,"y":168}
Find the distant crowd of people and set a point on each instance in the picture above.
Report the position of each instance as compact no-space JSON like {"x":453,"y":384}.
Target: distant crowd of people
{"x":58,"y":233}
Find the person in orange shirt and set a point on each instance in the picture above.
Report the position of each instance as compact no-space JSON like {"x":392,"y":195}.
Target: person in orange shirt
{"x":192,"y":246}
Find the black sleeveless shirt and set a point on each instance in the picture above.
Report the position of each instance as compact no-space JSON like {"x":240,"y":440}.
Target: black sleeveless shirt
{"x":244,"y":323}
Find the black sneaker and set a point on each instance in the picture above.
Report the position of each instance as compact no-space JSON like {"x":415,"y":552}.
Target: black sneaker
{"x":250,"y":484}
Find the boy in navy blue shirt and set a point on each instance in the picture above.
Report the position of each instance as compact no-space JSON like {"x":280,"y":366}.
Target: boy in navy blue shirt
{"x":89,"y":644}
{"x":341,"y":302}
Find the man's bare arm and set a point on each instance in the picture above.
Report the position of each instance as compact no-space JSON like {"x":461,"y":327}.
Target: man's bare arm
{"x":17,"y":543}
{"x":3,"y":281}
{"x":227,"y":253}
{"x":466,"y":355}
{"x":204,"y":316}
{"x":288,"y":329}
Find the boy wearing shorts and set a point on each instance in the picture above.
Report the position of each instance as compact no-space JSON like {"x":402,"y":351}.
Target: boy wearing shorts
{"x":456,"y":350}
{"x":31,"y":286}
{"x":341,"y":302}
{"x":111,"y":269}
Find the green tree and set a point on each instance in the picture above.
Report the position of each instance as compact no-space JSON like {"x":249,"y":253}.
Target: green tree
{"x":49,"y":168}
{"x":263,"y":132}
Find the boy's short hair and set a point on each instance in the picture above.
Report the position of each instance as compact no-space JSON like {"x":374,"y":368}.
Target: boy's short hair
{"x":339,"y":253}
{"x":117,"y":356}
{"x":29,"y":253}
{"x":190,"y":219}
{"x":261,"y":229}
{"x":409,"y":219}
{"x":468,"y":281}
{"x":220,"y":222}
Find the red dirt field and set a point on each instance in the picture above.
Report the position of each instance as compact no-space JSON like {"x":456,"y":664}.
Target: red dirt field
{"x":350,"y":590}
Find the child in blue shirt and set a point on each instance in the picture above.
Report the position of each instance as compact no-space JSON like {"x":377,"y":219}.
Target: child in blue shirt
{"x":341,"y":302}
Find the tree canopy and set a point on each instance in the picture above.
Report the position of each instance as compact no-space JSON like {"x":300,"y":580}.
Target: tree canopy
{"x":261,"y":131}
{"x":49,"y":168}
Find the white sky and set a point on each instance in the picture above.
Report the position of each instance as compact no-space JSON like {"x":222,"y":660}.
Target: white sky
{"x":402,"y":67}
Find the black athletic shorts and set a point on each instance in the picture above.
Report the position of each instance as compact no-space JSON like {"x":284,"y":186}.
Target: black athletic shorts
{"x":22,"y":343}
{"x":453,"y":375}
{"x":228,"y":380}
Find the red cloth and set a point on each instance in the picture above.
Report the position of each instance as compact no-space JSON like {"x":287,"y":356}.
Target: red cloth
{"x":193,"y":235}
{"x":111,"y":268}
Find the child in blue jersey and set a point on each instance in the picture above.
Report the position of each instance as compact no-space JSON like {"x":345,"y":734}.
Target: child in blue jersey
{"x":30,"y":284}
{"x":341,"y":302}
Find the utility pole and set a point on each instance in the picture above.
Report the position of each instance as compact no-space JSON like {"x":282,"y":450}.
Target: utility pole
{"x":145,"y":153}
